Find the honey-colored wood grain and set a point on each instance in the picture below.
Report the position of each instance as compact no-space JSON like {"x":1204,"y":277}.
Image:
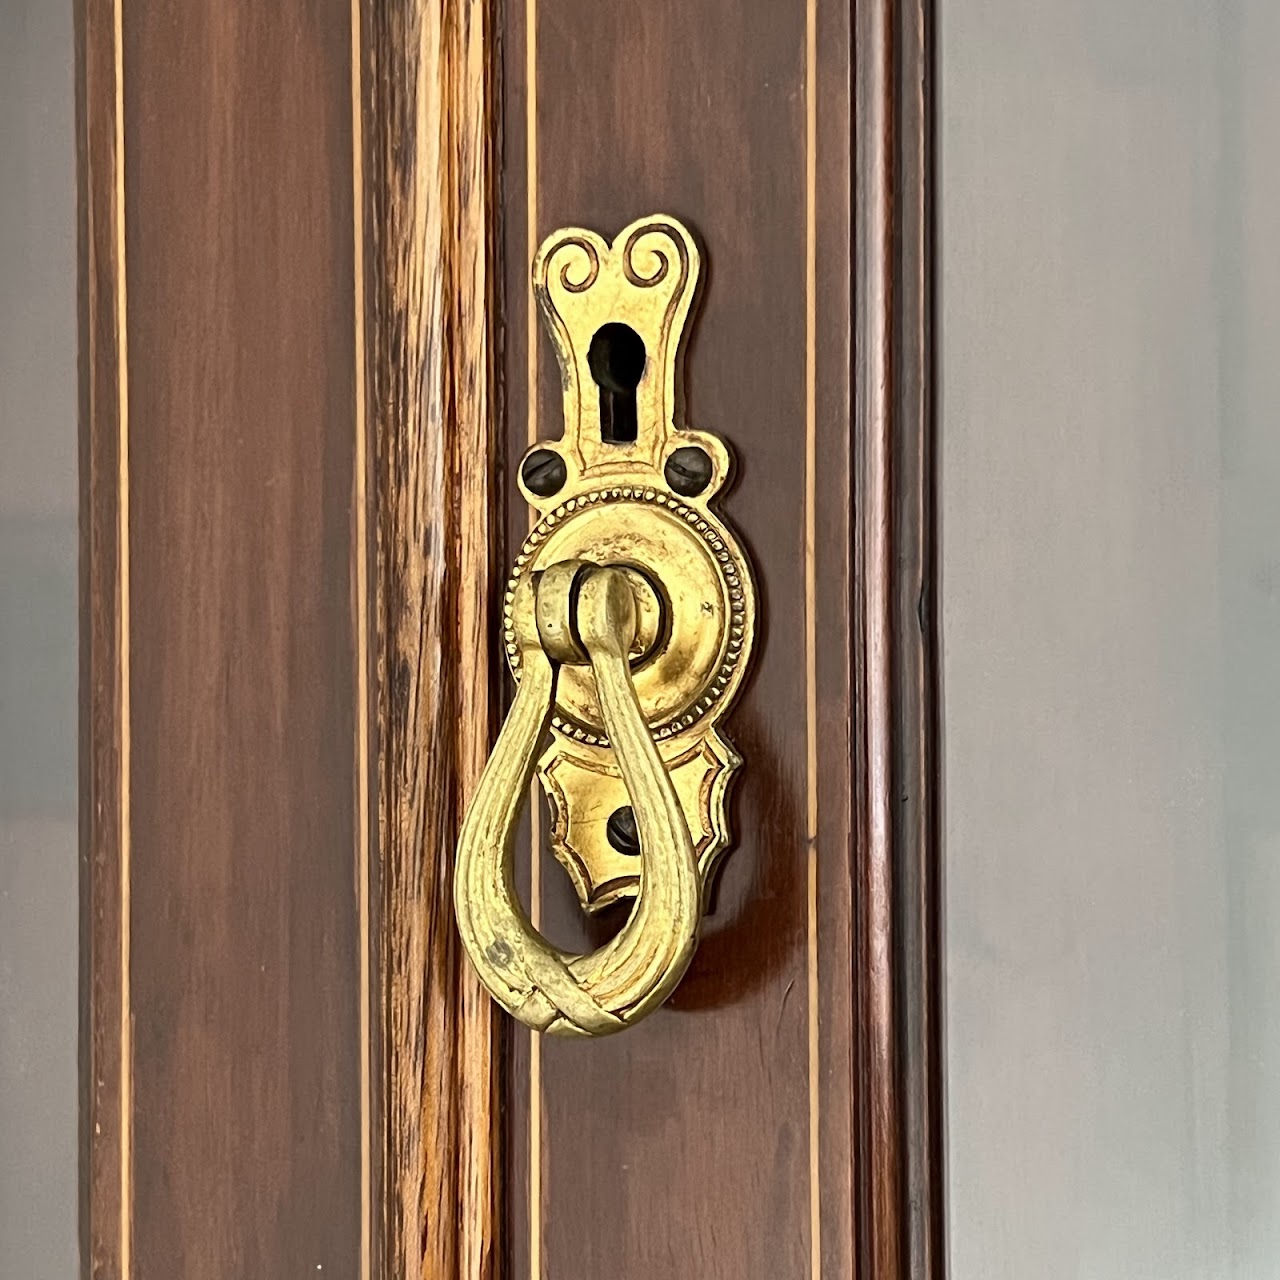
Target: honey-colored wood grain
{"x":431,"y":301}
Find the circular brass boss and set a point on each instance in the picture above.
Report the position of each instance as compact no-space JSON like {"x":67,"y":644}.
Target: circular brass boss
{"x":693,"y":599}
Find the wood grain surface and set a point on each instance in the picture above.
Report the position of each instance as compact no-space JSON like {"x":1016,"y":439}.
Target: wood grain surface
{"x":103,"y":1119}
{"x":683,"y":1146}
{"x":898,"y":1078}
{"x":431,"y":319}
{"x":223,"y":1049}
{"x":779,"y":1117}
{"x":295,"y":532}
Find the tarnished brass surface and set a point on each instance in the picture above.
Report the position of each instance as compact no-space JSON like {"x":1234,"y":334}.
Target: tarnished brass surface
{"x":629,"y":622}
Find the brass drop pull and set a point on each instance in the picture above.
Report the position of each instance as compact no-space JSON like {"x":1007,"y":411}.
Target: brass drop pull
{"x":601,"y":992}
{"x":629,"y":621}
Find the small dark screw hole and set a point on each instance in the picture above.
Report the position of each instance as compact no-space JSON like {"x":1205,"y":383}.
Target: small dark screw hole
{"x":543,"y":472}
{"x":689,"y":470}
{"x":621,"y":830}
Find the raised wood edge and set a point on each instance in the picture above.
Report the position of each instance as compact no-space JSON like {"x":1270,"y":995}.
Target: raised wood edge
{"x":431,"y":291}
{"x":898,"y":1212}
{"x":103,"y":1202}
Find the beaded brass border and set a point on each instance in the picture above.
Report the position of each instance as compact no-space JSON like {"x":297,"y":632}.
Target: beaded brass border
{"x":733,"y":566}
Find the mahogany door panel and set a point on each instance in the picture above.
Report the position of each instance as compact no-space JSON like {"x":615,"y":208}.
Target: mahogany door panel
{"x":224,"y":839}
{"x":705,"y":1141}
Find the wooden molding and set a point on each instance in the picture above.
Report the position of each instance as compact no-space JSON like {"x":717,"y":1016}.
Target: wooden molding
{"x":103,"y":1118}
{"x":898,"y":1065}
{"x":431,"y":291}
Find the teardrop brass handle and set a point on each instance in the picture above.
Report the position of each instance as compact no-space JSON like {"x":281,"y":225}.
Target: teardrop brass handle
{"x":628,"y":620}
{"x":585,"y":613}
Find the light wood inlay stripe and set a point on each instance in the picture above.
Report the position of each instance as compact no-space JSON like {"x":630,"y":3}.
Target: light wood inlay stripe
{"x":535,"y":830}
{"x":810,"y":627}
{"x":125,"y":691}
{"x":360,"y":507}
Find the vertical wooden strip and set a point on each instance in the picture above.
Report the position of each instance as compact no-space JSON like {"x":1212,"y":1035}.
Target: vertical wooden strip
{"x":534,"y":1197}
{"x":104,"y":1213}
{"x":124,"y":622}
{"x":918,"y":866}
{"x":242,"y":429}
{"x":897,"y":1070}
{"x":833,"y":170}
{"x":407,"y":379}
{"x":481,"y":560}
{"x":879,"y":1127}
{"x":363,"y":563}
{"x":683,"y":1145}
{"x":814,"y":992}
{"x":432,"y":399}
{"x":220,"y":1030}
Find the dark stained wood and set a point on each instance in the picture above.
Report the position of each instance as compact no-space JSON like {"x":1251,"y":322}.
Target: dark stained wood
{"x":833,"y":360}
{"x":683,"y":1147}
{"x":239,"y":886}
{"x":432,"y":324}
{"x":242,"y":431}
{"x":898,"y":1077}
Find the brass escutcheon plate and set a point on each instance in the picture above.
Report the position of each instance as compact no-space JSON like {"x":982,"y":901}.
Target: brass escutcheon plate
{"x":622,"y":500}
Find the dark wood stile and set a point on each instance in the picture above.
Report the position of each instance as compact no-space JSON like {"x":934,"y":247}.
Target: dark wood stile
{"x":224,"y":1099}
{"x":897,"y":964}
{"x":647,"y":144}
{"x":687,"y":1143}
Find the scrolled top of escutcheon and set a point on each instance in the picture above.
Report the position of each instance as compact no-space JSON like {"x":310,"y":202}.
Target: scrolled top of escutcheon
{"x":646,"y":280}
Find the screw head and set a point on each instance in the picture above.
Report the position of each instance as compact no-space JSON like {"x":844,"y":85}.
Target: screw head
{"x":543,"y":472}
{"x":688,"y":471}
{"x":622,"y":832}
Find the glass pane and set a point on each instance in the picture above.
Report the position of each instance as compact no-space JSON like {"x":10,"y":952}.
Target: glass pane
{"x":1110,"y":452}
{"x":38,"y":597}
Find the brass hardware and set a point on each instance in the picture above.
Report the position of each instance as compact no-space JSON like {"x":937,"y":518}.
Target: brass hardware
{"x":604,"y":991}
{"x":629,"y":622}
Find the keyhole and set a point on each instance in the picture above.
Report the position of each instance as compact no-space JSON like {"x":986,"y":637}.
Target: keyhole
{"x":616,"y":358}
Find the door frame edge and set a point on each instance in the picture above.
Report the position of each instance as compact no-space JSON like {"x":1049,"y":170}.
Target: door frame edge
{"x":898,"y":1084}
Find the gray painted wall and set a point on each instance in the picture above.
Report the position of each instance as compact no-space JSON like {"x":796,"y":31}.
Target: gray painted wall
{"x":1111,"y":613}
{"x":38,"y":911}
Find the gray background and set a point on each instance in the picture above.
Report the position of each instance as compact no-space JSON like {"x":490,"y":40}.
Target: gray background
{"x":38,"y":912}
{"x":1110,"y":438}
